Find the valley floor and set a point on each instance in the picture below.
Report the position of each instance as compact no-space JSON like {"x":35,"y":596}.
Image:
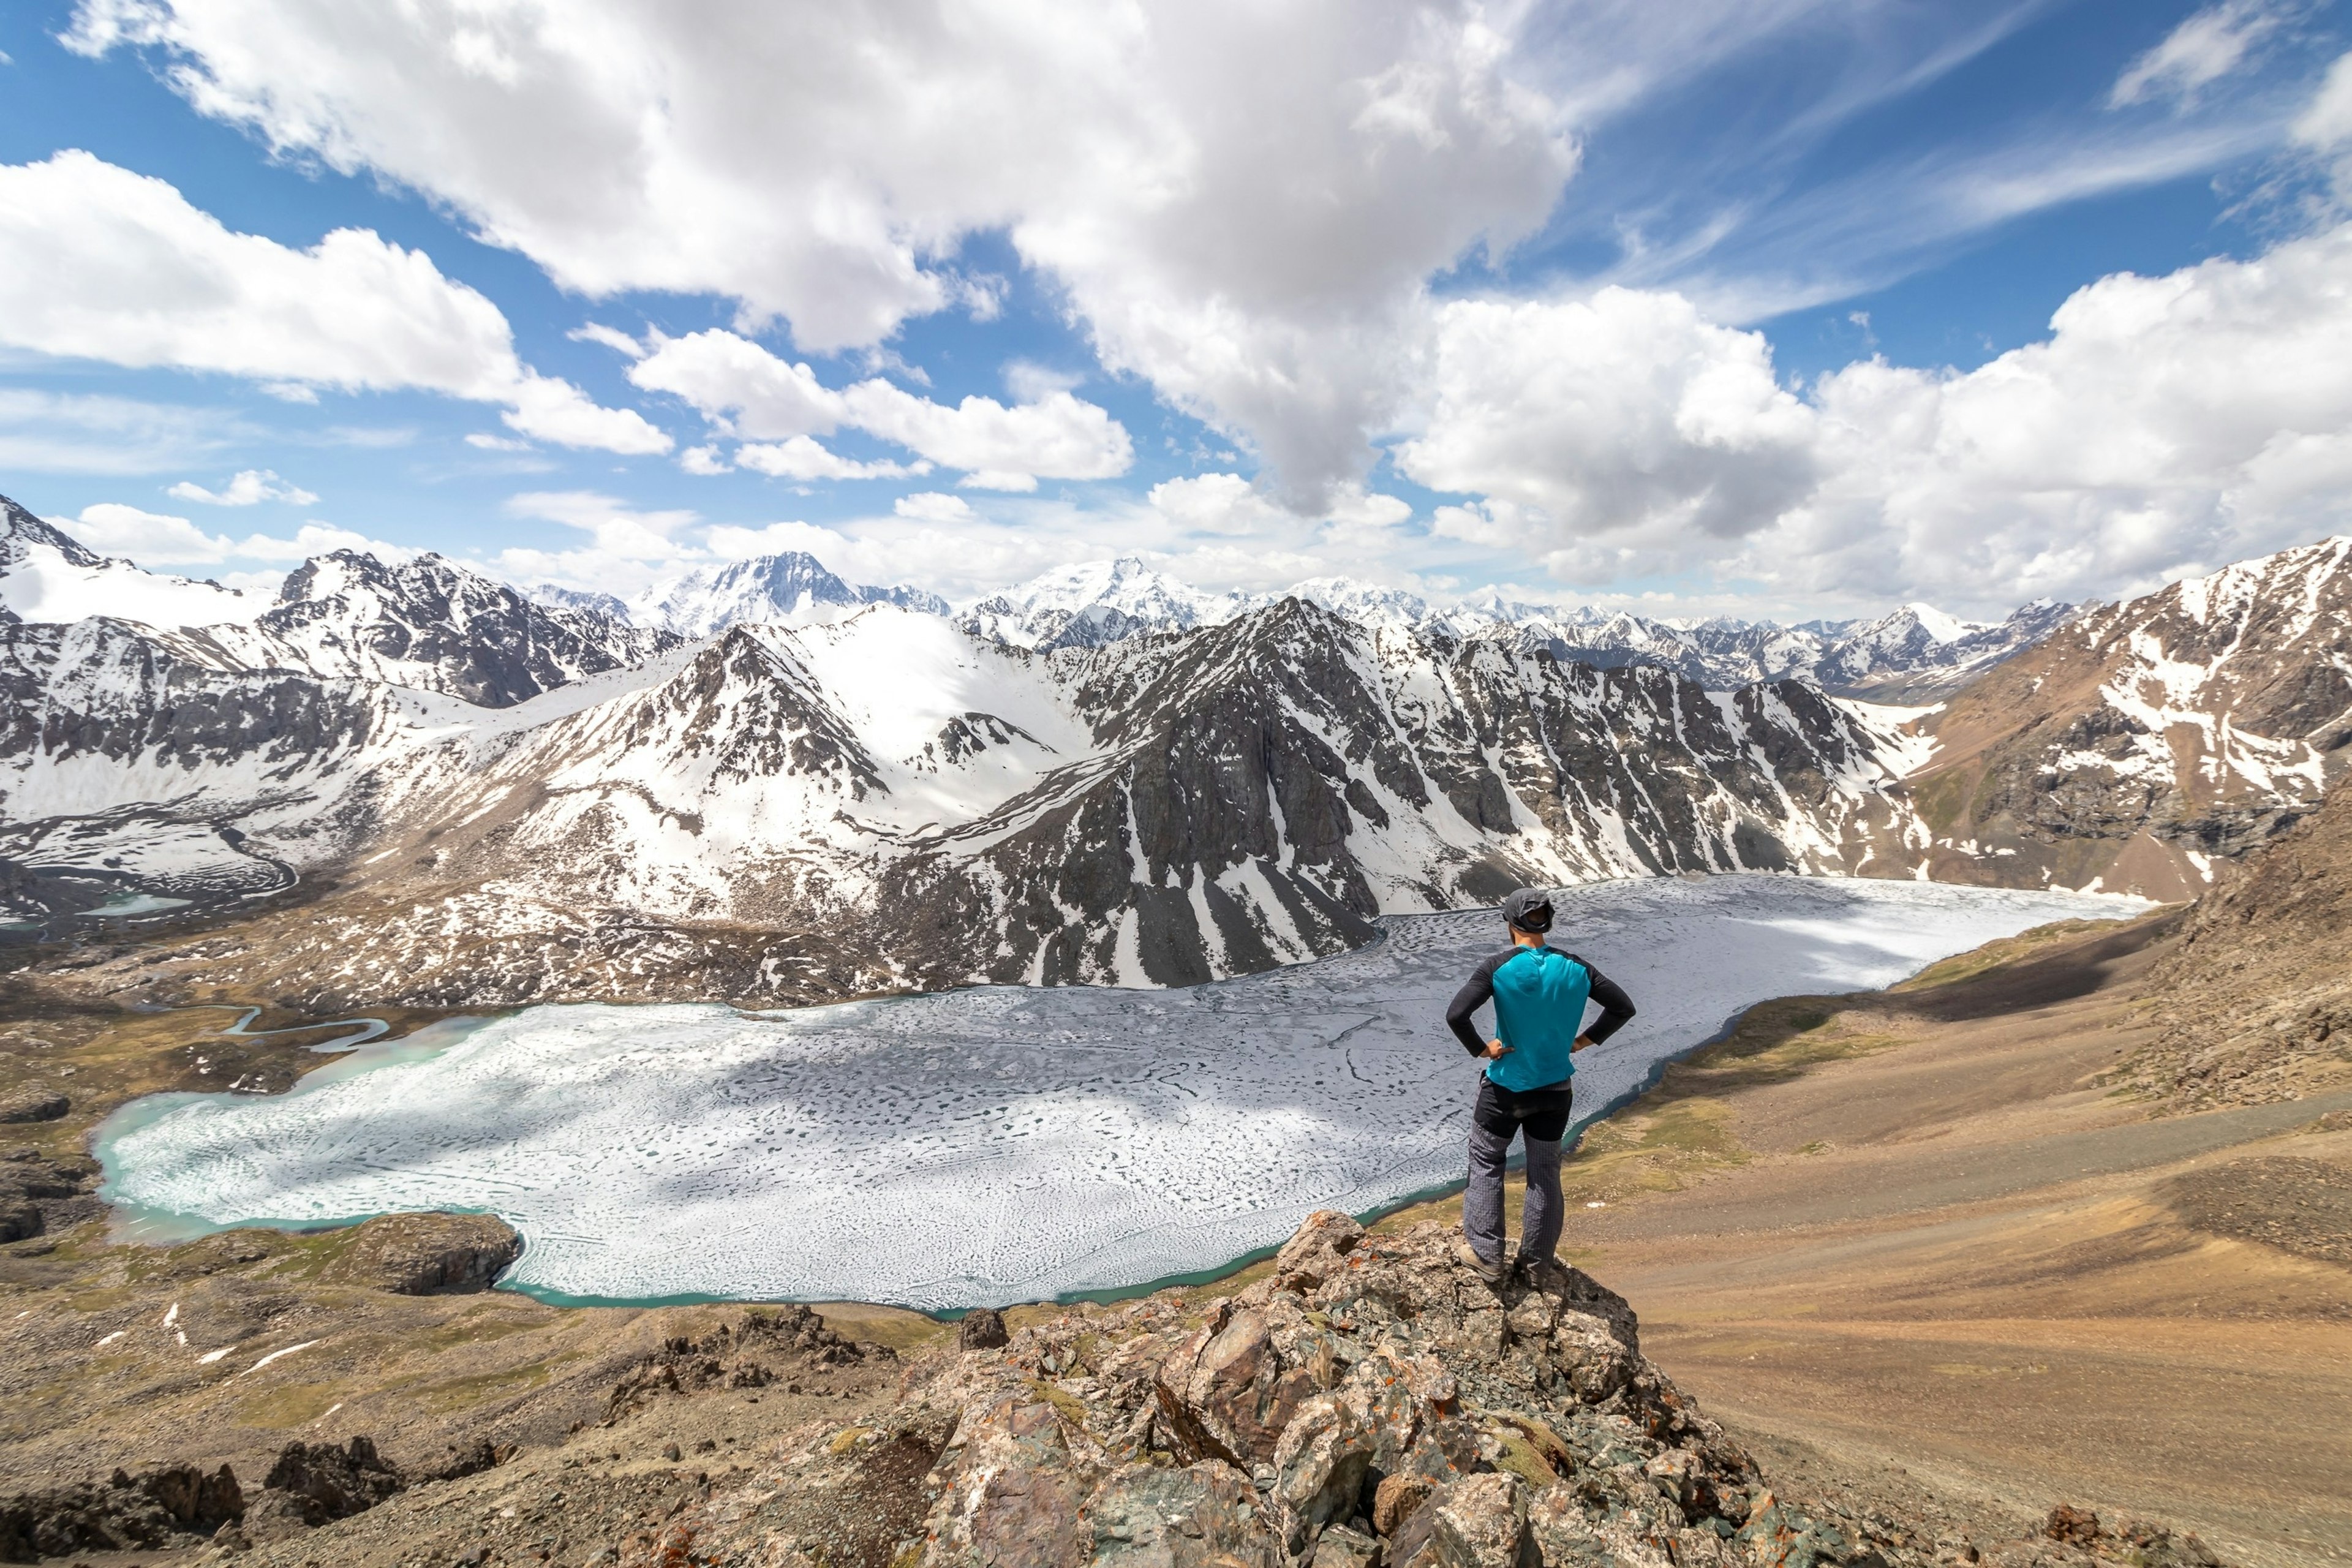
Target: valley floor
{"x":1907,"y":1235}
{"x":1902,"y":1242}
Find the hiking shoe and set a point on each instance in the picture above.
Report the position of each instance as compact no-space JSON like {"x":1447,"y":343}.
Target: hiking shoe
{"x":1465,"y":1255}
{"x":1536,"y":1271}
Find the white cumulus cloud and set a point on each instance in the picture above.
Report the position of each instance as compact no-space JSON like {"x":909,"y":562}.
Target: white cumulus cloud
{"x":1628,"y":420}
{"x":248,"y":488}
{"x":159,"y":538}
{"x":743,"y":389}
{"x":97,"y":262}
{"x":1240,"y":201}
{"x":805,"y":457}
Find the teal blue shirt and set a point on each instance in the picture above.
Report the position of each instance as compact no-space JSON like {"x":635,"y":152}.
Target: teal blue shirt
{"x":1540,"y":996}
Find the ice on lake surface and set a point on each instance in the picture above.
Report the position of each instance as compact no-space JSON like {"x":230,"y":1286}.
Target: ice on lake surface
{"x":1000,"y":1144}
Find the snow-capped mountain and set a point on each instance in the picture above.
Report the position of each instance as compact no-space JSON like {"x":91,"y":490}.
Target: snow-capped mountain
{"x":1911,"y":655}
{"x":784,"y":813}
{"x":47,"y":575}
{"x":430,"y":625}
{"x":2142,"y":741}
{"x":793,"y":588}
{"x":504,"y":801}
{"x":1093,"y":604}
{"x":427,"y":624}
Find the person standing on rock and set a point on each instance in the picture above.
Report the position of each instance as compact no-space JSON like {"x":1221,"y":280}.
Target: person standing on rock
{"x":1539,"y":994}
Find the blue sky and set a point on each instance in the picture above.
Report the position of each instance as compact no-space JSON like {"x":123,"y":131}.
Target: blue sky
{"x":1740,"y":307}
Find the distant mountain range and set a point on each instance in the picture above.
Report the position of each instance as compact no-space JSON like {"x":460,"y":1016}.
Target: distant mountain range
{"x":1914,"y":653}
{"x":1909,"y":655}
{"x":481,"y":798}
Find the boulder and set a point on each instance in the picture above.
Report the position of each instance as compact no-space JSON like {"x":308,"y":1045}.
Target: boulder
{"x":1479,"y":1521}
{"x":33,"y":1102}
{"x":426,"y":1253}
{"x":324,"y":1482}
{"x":983,"y":1329}
{"x":1396,"y":1498}
{"x":1318,"y":1251}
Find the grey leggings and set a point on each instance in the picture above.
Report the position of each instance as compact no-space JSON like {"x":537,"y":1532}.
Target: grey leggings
{"x":1498,"y":1117}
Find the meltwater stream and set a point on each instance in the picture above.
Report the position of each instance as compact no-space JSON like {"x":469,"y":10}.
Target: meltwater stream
{"x":998,"y":1144}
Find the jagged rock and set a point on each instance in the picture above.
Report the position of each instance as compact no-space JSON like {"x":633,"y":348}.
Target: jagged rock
{"x":34,"y":1103}
{"x":1479,"y":1521}
{"x":325,"y":1482}
{"x":196,"y":1499}
{"x":426,"y":1254}
{"x":983,"y":1329}
{"x":1318,"y":1251}
{"x":1396,"y":1498}
{"x":1397,"y":1413}
{"x":1342,"y":1546}
{"x":1299,"y":1423}
{"x":730,"y":1356}
{"x":128,"y":1512}
{"x":2074,"y":1526}
{"x":469,"y":1459}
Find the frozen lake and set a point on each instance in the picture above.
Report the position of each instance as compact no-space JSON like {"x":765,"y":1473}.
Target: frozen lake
{"x":1001,"y":1144}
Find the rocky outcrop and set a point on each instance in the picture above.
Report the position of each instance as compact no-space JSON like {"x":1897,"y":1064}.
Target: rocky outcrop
{"x":38,"y":1194}
{"x":33,"y":1102}
{"x":426,"y":1254}
{"x":1370,"y":1401}
{"x":317,"y":1482}
{"x":748,"y":1353}
{"x":1369,"y":1404}
{"x":173,"y":1505}
{"x":2254,"y":1004}
{"x":983,"y":1329}
{"x":431,"y":625}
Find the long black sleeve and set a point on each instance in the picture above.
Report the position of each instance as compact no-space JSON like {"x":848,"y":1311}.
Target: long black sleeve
{"x":1616,"y":1007}
{"x":1475,"y":992}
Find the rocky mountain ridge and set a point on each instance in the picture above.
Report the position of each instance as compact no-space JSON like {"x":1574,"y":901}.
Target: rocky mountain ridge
{"x":500,"y":801}
{"x":2145,"y":742}
{"x":1911,"y":654}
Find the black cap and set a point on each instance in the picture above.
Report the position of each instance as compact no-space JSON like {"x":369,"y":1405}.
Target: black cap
{"x":1529,"y":909}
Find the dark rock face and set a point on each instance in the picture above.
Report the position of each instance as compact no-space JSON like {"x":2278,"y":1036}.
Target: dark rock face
{"x":38,"y":1195}
{"x":983,"y":1329}
{"x":173,"y":1505}
{"x":33,"y":1102}
{"x":426,"y":1254}
{"x":325,"y":1482}
{"x":1278,"y":749}
{"x":432,"y":623}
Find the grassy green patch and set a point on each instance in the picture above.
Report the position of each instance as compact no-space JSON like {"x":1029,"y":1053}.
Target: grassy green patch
{"x":287,"y":1404}
{"x":457,"y":1393}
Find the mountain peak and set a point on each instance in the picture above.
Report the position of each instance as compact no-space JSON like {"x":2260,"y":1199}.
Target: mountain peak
{"x":19,"y":529}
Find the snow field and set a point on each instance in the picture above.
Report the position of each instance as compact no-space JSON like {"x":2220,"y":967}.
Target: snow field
{"x":1000,"y":1144}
